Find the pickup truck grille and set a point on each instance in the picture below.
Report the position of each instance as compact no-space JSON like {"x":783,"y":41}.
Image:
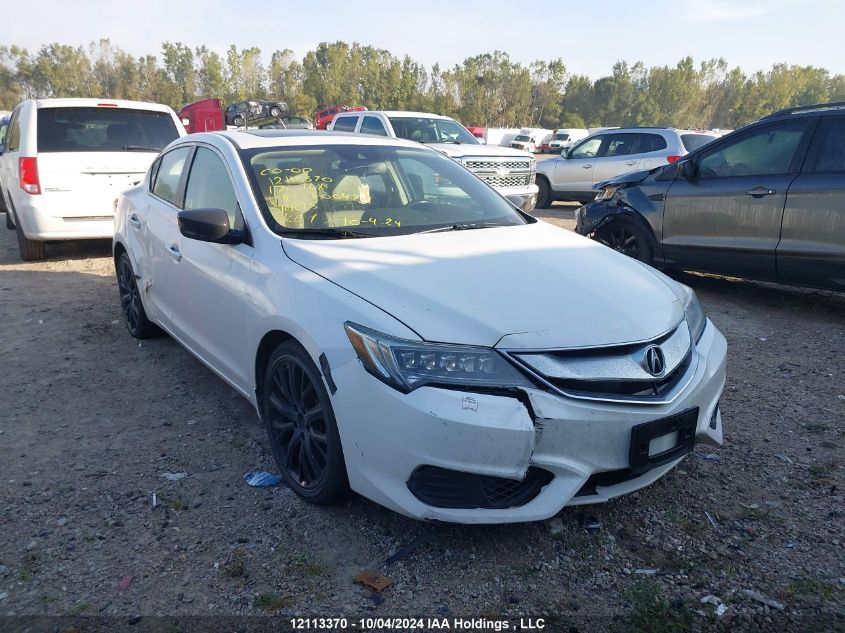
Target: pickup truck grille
{"x":499,"y":172}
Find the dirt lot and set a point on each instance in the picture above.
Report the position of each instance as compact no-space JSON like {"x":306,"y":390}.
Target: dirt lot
{"x":91,"y":420}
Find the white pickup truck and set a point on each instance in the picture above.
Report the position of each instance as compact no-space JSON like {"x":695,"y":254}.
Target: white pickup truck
{"x":509,"y":171}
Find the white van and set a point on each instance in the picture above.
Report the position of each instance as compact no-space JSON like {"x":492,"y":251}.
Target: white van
{"x":531,"y":139}
{"x":66,"y":160}
{"x":566,"y":137}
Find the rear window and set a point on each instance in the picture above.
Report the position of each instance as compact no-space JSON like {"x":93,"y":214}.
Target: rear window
{"x":345,"y":123}
{"x":104,"y":130}
{"x":694,"y":141}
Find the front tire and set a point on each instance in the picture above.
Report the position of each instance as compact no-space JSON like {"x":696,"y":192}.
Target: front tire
{"x":275,"y":112}
{"x":544,"y":195}
{"x":31,"y":250}
{"x":301,"y":426}
{"x":134,"y":314}
{"x":237,"y":120}
{"x":627,"y":237}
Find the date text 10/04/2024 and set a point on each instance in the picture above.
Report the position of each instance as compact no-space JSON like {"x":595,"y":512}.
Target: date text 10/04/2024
{"x":422,"y":624}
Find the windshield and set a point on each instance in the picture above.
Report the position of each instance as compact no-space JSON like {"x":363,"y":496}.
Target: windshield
{"x":694,"y":141}
{"x":522,"y":137}
{"x":424,"y":130}
{"x":561,"y":137}
{"x":103,"y":130}
{"x":368,"y":191}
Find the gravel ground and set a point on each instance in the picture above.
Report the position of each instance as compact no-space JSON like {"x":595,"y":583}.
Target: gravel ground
{"x":91,"y":420}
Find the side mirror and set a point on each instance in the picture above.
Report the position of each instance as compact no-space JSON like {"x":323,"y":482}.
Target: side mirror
{"x":207,"y":225}
{"x":686,"y":169}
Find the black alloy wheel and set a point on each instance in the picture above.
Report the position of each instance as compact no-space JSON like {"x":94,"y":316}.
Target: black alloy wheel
{"x":301,"y":426}
{"x":627,"y":238}
{"x":137,"y":322}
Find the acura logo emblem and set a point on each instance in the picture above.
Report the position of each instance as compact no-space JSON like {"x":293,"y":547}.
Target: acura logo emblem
{"x":654,"y":361}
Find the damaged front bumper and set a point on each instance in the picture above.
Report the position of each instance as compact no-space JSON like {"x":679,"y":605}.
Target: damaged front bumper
{"x":440,"y":454}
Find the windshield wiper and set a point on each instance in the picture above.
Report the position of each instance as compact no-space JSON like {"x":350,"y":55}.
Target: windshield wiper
{"x":336,"y":234}
{"x":452,"y":142}
{"x":141,"y":148}
{"x":467,"y":226}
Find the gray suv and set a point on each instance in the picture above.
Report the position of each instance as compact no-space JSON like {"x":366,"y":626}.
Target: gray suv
{"x":764,"y":202}
{"x":609,"y":153}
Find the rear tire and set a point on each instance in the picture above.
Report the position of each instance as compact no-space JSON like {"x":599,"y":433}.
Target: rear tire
{"x":301,"y":426}
{"x":275,"y":112}
{"x":31,"y":250}
{"x":627,"y":237}
{"x":134,"y":314}
{"x":544,"y":197}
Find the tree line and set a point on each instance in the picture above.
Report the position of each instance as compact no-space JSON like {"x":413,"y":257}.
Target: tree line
{"x":486,"y":90}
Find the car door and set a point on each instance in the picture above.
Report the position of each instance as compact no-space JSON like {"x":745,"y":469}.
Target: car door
{"x":211,"y":279}
{"x":726,"y":217}
{"x":157,"y":223}
{"x":812,"y":244}
{"x":573,"y":172}
{"x":617,"y":156}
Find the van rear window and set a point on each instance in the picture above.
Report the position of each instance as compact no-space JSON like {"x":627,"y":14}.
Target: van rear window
{"x":103,"y":130}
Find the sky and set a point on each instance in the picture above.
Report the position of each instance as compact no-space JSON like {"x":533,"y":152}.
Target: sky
{"x":589,"y":36}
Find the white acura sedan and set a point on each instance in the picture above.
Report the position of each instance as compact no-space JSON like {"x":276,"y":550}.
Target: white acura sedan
{"x":403,"y":331}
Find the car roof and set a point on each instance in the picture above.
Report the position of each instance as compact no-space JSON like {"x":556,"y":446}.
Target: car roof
{"x":250,"y":139}
{"x":88,"y":103}
{"x":833,"y":108}
{"x":398,"y":114}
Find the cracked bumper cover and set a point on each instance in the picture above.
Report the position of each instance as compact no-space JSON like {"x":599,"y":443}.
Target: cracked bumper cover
{"x":387,"y":435}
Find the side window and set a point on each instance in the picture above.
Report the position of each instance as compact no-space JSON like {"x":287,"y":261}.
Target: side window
{"x":345,"y":123}
{"x":763,"y":152}
{"x":154,"y":172}
{"x":588,"y":148}
{"x":649,"y":143}
{"x":209,"y":186}
{"x":832,"y":155}
{"x":620,"y":145}
{"x":14,"y":132}
{"x":169,"y":174}
{"x":371,"y":125}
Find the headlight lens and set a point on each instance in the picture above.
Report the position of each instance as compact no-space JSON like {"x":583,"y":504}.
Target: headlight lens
{"x":406,"y":365}
{"x":606,"y":193}
{"x":694,"y":314}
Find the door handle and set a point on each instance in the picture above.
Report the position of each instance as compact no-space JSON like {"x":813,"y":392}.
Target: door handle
{"x":759,"y":192}
{"x":631,"y":162}
{"x":134,"y":221}
{"x":587,"y":166}
{"x":174,"y":251}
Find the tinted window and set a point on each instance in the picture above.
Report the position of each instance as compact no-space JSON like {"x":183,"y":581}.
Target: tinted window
{"x":694,"y":141}
{"x":209,"y":186}
{"x":103,"y":130}
{"x":170,"y":168}
{"x":14,"y":131}
{"x":381,"y":190}
{"x":620,"y":145}
{"x":764,"y":151}
{"x":371,"y":125}
{"x":345,"y":123}
{"x":832,"y":156}
{"x":587,"y":149}
{"x":649,"y":143}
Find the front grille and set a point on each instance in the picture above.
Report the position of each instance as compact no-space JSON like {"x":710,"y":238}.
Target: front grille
{"x":480,"y":164}
{"x":443,"y":488}
{"x":616,"y":373}
{"x":506,"y":181}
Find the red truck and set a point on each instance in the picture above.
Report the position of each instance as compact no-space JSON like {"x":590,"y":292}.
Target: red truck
{"x":322,"y":118}
{"x":202,"y":116}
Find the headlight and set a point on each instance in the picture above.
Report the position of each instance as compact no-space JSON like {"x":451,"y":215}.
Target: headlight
{"x":406,"y":365}
{"x":606,"y":193}
{"x":693,"y":313}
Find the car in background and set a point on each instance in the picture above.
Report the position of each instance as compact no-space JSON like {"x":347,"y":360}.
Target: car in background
{"x":403,"y":341}
{"x":290,"y":123}
{"x":564,"y":139}
{"x":322,"y":118}
{"x":4,"y":126}
{"x":508,"y":171}
{"x":254,"y":112}
{"x":609,"y":153}
{"x":764,"y":202}
{"x":531,"y":139}
{"x":66,"y":161}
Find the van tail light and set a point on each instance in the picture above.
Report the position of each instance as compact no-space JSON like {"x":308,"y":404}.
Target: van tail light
{"x":672,"y":159}
{"x":28,"y":170}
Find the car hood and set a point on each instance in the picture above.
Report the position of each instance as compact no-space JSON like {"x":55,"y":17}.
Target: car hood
{"x":629,"y":178}
{"x":526,"y":287}
{"x":461,"y":151}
